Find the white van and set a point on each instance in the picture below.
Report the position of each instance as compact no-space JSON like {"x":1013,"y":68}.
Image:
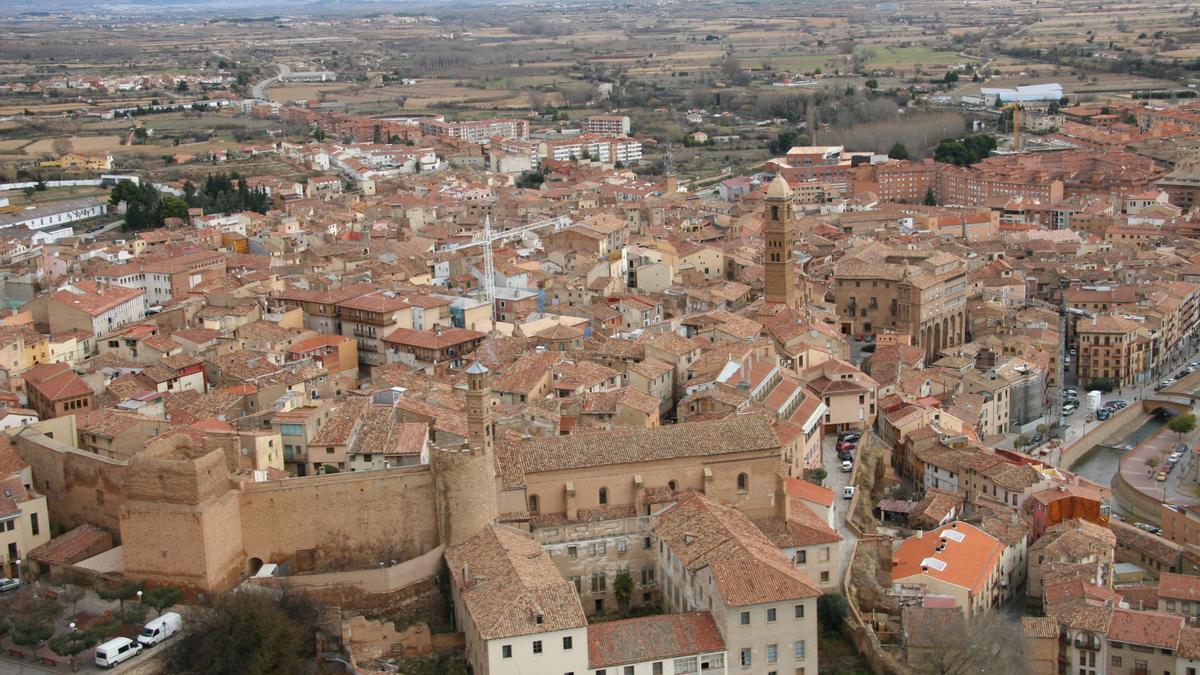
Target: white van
{"x":115,"y":651}
{"x":160,"y":629}
{"x":847,"y":466}
{"x":848,"y":492}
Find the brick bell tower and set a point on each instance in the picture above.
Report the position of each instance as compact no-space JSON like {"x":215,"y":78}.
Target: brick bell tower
{"x":779,"y":275}
{"x":466,"y":476}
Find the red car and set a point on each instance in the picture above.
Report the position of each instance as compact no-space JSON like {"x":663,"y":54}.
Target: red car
{"x":846,"y":445}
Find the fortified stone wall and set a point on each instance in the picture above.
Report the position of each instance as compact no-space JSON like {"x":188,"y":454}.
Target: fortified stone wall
{"x":80,"y":487}
{"x":390,"y":512}
{"x":180,"y":523}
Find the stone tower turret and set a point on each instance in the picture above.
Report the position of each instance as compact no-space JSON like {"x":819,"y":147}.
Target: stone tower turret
{"x":466,"y":476}
{"x":778,"y":268}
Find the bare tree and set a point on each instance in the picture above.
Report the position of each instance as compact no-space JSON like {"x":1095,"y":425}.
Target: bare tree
{"x":62,"y":146}
{"x":990,"y":643}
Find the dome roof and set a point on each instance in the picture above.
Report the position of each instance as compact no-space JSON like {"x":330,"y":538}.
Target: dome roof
{"x":779,"y":189}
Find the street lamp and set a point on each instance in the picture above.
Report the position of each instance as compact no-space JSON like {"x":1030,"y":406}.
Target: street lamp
{"x":139,"y":594}
{"x":71,"y":626}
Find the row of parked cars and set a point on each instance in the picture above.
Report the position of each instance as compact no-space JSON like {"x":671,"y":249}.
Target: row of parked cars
{"x":1070,"y":402}
{"x":1187,"y":370}
{"x":1109,"y":409}
{"x":1169,"y":463}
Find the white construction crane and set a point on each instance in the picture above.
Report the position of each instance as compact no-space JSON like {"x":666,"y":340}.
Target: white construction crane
{"x":488,"y":236}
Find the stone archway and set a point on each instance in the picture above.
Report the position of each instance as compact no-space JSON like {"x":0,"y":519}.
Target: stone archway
{"x":253,"y":565}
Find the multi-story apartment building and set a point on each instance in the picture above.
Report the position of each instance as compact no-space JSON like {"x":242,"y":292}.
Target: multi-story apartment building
{"x":55,"y":390}
{"x":481,"y":131}
{"x":958,"y":560}
{"x":96,"y":309}
{"x":607,"y":125}
{"x":706,"y":550}
{"x":24,"y":517}
{"x":165,"y":278}
{"x":371,"y":317}
{"x":517,"y":613}
{"x":1109,"y":348}
{"x":920,"y":293}
{"x":598,"y":148}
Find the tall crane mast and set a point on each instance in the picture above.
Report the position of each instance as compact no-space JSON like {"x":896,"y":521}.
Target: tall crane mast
{"x":488,"y":236}
{"x":1016,"y":122}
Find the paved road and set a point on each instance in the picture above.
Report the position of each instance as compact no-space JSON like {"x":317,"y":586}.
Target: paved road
{"x":106,"y":228}
{"x":836,"y":480}
{"x":259,"y":90}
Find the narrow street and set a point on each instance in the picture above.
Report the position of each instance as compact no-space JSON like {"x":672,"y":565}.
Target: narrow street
{"x":836,"y":481}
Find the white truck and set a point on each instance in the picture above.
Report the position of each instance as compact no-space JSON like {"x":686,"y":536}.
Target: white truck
{"x":160,"y":629}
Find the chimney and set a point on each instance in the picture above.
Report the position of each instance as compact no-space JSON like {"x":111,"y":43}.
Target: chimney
{"x":920,"y":534}
{"x":467,"y":573}
{"x":689,"y":539}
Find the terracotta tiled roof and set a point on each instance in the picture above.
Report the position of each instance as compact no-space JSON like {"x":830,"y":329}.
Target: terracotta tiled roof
{"x":651,"y":638}
{"x":507,"y":582}
{"x":1152,"y":629}
{"x":94,"y":299}
{"x":966,"y":563}
{"x":745,"y":433}
{"x":1039,"y":627}
{"x":71,"y":546}
{"x":746,"y":566}
{"x":56,"y":381}
{"x":1179,"y":586}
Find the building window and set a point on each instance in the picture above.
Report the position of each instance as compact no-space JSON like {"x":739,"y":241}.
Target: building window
{"x":743,"y":482}
{"x":772,"y":653}
{"x":572,"y":552}
{"x":798,"y":650}
{"x":33,"y":524}
{"x":745,"y":658}
{"x":801,"y":557}
{"x":628,"y":670}
{"x":537,"y":646}
{"x":771,"y":615}
{"x":745,"y":618}
{"x":599,"y":582}
{"x":824,"y":577}
{"x":533,"y":504}
{"x":656,"y":668}
{"x":798,"y":611}
{"x":567,"y":643}
{"x":603,"y":496}
{"x":506,"y":651}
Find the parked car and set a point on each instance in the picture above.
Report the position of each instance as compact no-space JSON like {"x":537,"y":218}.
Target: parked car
{"x":7,"y":584}
{"x":1103,"y":414}
{"x":850,"y":436}
{"x":1180,"y":448}
{"x":848,"y":492}
{"x":1160,"y":476}
{"x":1119,"y":403}
{"x":1070,"y":392}
{"x":1117,"y":516}
{"x":1147,"y":527}
{"x":845,"y":445}
{"x":1160,"y":386}
{"x":1036,"y":439}
{"x":843,"y":456}
{"x":1174,"y":456}
{"x":847,"y":466}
